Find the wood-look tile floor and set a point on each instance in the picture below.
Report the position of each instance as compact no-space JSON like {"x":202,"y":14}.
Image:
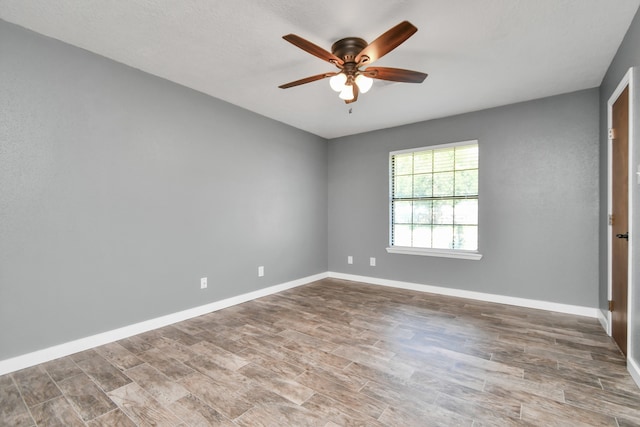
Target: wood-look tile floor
{"x":338,"y":353}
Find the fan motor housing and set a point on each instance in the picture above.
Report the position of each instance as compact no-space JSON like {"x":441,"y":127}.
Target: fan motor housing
{"x":348,"y":48}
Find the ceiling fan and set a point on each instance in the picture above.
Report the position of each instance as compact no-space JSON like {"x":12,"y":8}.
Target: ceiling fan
{"x":351,"y":54}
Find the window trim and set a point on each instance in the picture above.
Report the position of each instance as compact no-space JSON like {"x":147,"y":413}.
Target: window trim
{"x":408,"y":250}
{"x":442,"y":253}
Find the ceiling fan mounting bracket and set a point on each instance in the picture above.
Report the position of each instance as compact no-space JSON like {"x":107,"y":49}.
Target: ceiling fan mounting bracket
{"x":348,"y":48}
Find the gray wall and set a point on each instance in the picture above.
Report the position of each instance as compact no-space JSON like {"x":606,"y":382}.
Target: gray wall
{"x":119,"y":190}
{"x":538,"y":201}
{"x":628,"y":56}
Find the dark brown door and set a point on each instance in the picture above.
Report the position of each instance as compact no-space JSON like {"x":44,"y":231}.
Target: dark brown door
{"x":620,"y":220}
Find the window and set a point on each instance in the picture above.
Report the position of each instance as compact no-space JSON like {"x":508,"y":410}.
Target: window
{"x":434,"y":200}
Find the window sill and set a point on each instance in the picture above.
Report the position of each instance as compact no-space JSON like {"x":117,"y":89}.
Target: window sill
{"x":443,"y":253}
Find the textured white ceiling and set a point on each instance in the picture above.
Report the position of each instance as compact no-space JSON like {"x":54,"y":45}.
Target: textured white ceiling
{"x":478,"y":53}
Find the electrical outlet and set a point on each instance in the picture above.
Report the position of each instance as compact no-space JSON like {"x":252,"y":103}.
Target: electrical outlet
{"x":349,"y":259}
{"x":261,"y":271}
{"x":372,"y":262}
{"x":203,"y":283}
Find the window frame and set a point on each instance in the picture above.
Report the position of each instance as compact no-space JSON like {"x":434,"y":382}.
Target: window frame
{"x":410,"y":250}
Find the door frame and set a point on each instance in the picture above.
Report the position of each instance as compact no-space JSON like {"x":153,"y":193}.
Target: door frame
{"x":627,"y":80}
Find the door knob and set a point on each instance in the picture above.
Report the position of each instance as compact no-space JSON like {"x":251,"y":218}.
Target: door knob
{"x":623,"y":236}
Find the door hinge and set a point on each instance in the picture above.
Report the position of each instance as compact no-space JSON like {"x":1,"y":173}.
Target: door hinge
{"x":610,"y":305}
{"x":611,"y":219}
{"x":612,"y":133}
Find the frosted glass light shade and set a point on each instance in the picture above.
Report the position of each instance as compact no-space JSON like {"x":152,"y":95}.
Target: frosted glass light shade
{"x":347,"y":93}
{"x":337,"y":82}
{"x":364,"y":83}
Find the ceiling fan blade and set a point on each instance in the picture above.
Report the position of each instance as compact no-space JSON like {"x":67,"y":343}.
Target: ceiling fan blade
{"x":313,"y":49}
{"x":395,"y":74}
{"x":386,"y":43}
{"x":306,"y":80}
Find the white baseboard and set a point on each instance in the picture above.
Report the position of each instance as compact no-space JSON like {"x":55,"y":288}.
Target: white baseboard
{"x":65,"y":349}
{"x":604,"y":318}
{"x":500,"y":299}
{"x":634,"y":370}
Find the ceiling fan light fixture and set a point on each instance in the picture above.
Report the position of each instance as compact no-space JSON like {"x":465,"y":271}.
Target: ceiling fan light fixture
{"x":347,"y":93}
{"x":364,"y":83}
{"x":338,"y":81}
